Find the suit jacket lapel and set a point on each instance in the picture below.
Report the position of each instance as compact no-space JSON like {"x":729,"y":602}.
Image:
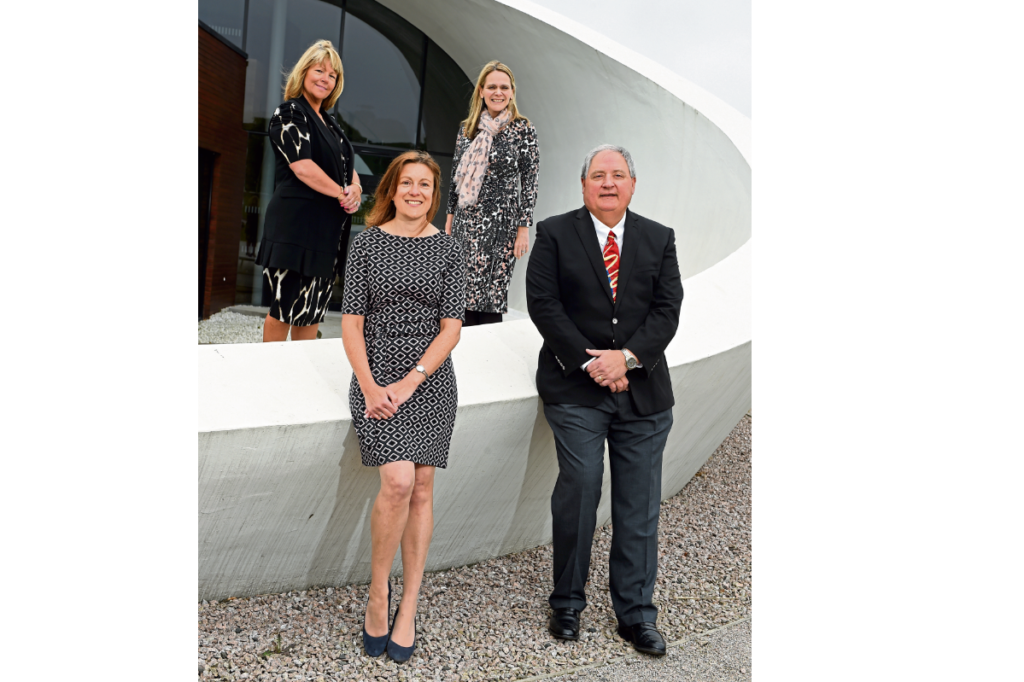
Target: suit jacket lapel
{"x":339,"y":135}
{"x":325,"y":134}
{"x":632,"y":236}
{"x":585,"y":229}
{"x":345,"y":143}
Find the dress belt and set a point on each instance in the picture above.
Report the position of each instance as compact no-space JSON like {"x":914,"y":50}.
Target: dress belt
{"x":392,"y":330}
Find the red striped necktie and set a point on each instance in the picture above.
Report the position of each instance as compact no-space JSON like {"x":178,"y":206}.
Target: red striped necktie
{"x":611,"y":261}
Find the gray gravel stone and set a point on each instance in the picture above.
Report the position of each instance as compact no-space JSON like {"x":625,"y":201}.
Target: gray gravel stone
{"x":488,"y":621}
{"x":720,"y":656}
{"x":228,"y":327}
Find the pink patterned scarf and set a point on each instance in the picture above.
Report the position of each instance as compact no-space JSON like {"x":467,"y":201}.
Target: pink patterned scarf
{"x":469,"y":177}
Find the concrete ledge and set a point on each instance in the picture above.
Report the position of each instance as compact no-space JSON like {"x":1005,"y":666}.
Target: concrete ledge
{"x":284,"y":501}
{"x":286,"y":506}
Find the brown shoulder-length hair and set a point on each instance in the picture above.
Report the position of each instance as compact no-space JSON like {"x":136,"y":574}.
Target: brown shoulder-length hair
{"x":383,"y":202}
{"x":476,"y":103}
{"x":317,"y":53}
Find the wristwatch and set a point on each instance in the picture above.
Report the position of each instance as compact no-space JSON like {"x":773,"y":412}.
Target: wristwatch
{"x":423,"y":371}
{"x":631,"y":362}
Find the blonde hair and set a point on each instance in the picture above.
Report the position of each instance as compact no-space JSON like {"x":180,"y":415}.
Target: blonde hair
{"x":383,"y":202}
{"x":318,"y":52}
{"x":476,"y":104}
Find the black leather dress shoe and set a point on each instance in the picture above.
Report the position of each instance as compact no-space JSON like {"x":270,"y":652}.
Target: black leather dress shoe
{"x":645,"y":638}
{"x":565,"y":624}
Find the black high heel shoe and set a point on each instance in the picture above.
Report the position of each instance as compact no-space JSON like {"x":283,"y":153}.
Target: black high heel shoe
{"x":401,"y":654}
{"x":375,"y":646}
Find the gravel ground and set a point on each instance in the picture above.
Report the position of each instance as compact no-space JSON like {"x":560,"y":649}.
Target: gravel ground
{"x":488,"y":621}
{"x":719,"y":656}
{"x":227,"y":327}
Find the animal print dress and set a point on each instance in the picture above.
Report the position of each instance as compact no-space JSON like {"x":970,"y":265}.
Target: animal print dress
{"x":487,"y":230}
{"x":297,"y":299}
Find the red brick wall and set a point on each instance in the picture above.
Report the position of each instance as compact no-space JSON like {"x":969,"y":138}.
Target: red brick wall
{"x":221,"y":95}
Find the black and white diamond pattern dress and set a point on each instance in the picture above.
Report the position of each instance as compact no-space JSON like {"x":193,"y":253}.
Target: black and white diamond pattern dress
{"x":403,"y":286}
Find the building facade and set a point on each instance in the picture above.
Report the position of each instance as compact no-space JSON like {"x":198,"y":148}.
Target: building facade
{"x":221,"y":168}
{"x":401,"y":92}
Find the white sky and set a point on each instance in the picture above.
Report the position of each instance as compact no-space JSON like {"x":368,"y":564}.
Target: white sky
{"x":705,"y":41}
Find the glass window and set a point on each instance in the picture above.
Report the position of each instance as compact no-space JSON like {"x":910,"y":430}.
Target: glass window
{"x":259,"y":187}
{"x":279,"y":32}
{"x":225,"y":17}
{"x":445,"y":162}
{"x":383,"y":59}
{"x":445,"y":101}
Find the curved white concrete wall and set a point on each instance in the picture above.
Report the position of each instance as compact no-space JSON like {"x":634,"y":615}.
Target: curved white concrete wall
{"x":581,"y":89}
{"x":283,"y":499}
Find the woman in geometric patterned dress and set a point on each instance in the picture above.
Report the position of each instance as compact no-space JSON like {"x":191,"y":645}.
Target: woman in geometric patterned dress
{"x":402,"y":312}
{"x":493,"y":192}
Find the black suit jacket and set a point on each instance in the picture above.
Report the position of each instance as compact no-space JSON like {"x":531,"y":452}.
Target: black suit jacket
{"x":570,"y":302}
{"x":303,"y":227}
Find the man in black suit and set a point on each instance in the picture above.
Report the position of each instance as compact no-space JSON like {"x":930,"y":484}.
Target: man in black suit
{"x":603,"y":289}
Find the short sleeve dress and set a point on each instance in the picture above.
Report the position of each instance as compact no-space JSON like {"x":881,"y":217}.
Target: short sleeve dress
{"x":304,"y":230}
{"x":404,"y":286}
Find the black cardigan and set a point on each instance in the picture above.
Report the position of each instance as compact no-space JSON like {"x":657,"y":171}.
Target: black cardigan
{"x":303,"y":227}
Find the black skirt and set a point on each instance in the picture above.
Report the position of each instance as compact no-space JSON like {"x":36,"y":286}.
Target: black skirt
{"x":296,"y":299}
{"x":301,"y":300}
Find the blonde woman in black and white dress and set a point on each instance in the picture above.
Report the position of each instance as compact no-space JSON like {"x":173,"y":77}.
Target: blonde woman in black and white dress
{"x":309,"y":217}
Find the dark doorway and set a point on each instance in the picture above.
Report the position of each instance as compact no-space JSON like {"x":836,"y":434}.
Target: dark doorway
{"x":206,"y":159}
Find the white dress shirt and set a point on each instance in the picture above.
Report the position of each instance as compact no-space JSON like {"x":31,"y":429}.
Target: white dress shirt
{"x":602,"y":231}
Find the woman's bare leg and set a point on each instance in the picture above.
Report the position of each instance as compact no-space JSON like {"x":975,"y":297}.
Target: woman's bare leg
{"x":275,"y":330}
{"x":415,"y":543}
{"x":307,"y":333}
{"x":387,"y":524}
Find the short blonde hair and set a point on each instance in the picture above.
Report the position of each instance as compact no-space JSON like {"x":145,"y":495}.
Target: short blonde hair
{"x":383,"y":204}
{"x":318,"y":52}
{"x":476,"y":104}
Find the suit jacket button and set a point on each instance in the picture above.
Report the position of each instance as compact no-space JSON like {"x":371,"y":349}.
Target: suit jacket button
{"x":615,"y":320}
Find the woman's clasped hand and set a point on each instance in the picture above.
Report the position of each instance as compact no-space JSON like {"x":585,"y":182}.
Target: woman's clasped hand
{"x":351,"y":198}
{"x":378,"y":402}
{"x":383,"y":401}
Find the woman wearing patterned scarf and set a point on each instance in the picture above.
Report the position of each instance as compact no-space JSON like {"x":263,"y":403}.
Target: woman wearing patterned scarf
{"x":493,"y":192}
